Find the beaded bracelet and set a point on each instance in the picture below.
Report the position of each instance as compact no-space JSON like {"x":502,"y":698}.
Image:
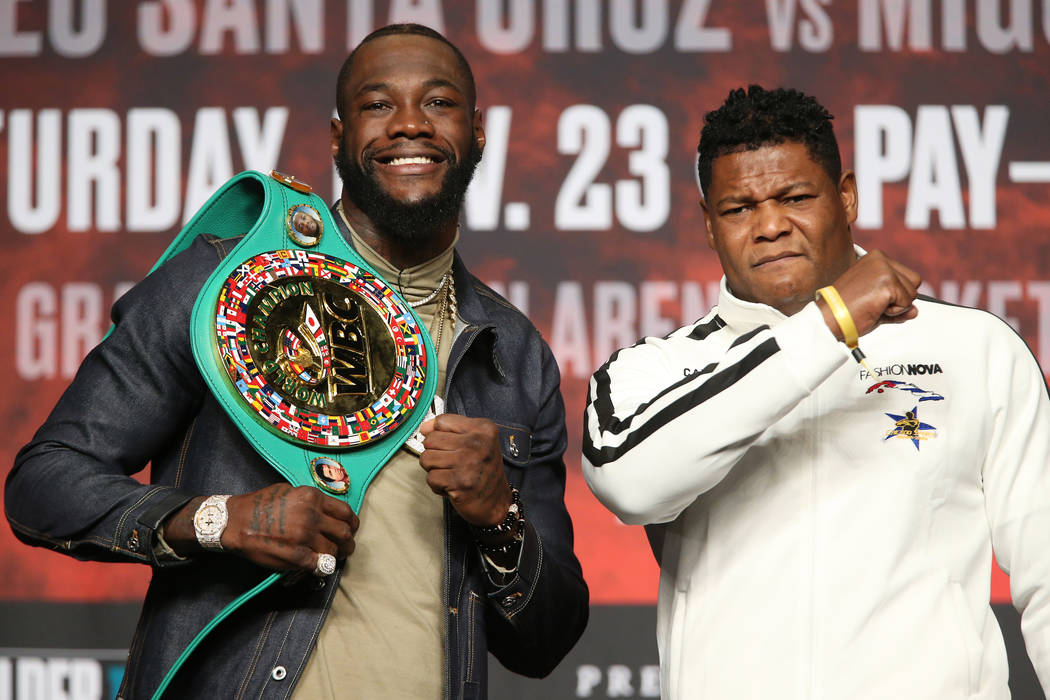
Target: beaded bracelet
{"x":500,"y":538}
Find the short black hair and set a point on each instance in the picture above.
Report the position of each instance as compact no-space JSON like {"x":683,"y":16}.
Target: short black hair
{"x":753,"y":118}
{"x":389,"y":30}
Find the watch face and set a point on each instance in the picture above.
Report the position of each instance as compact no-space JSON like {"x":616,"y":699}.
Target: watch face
{"x":210,"y":520}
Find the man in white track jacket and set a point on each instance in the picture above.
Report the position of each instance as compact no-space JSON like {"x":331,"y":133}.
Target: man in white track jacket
{"x":824,"y":531}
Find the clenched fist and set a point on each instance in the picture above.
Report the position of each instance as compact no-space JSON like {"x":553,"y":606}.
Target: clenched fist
{"x":876,"y":290}
{"x":464,"y":463}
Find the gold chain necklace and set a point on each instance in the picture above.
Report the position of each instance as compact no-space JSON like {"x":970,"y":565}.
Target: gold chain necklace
{"x":447,"y":309}
{"x":445,"y":279}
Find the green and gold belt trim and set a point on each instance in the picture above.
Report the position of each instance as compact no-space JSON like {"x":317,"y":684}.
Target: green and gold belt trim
{"x":319,"y":363}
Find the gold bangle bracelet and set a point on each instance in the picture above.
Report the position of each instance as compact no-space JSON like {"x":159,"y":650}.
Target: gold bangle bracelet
{"x":841,"y":314}
{"x":849,"y":329}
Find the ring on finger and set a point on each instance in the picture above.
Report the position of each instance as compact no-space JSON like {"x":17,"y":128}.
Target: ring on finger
{"x":325,"y":565}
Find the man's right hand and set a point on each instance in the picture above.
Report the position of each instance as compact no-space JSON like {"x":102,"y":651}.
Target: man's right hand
{"x":876,"y":290}
{"x":280,"y":527}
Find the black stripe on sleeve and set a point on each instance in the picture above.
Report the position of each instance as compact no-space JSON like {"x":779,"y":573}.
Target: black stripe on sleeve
{"x":603,"y":401}
{"x":748,"y":336}
{"x":713,"y":386}
{"x":705,"y":329}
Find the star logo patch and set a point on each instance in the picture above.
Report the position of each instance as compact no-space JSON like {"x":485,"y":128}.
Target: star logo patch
{"x":909,"y":427}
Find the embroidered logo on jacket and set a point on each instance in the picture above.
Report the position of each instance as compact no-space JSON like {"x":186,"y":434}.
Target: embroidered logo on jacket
{"x":898,"y":369}
{"x":909,"y":427}
{"x":919,"y":392}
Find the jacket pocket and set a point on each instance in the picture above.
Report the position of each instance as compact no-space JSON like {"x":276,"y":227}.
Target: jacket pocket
{"x":968,"y":636}
{"x":515,"y":442}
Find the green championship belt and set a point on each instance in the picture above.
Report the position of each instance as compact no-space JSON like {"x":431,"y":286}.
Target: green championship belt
{"x":319,"y":363}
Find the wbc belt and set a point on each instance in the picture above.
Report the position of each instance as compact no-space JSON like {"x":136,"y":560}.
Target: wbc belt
{"x":319,"y":363}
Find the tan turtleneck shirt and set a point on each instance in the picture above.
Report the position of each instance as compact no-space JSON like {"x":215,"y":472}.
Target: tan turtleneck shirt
{"x":384,"y":636}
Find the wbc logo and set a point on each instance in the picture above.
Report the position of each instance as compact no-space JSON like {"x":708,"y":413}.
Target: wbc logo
{"x":322,"y":350}
{"x":314,"y":341}
{"x":304,"y":350}
{"x":334,"y":356}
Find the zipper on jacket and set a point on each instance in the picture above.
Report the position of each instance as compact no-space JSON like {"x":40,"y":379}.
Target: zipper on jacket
{"x":469,"y":333}
{"x":816,"y":439}
{"x":453,"y":617}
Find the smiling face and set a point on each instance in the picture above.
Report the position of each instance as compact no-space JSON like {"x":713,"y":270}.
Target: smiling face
{"x":779,"y":224}
{"x":410,"y":137}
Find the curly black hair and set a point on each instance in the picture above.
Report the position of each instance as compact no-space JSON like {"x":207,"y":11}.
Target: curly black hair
{"x":391,"y":29}
{"x":751,"y":119}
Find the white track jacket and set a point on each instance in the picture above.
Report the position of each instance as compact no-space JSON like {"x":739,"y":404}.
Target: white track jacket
{"x":824,"y":533}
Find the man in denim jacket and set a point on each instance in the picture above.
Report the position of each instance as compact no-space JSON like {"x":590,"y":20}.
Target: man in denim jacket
{"x":415,"y":603}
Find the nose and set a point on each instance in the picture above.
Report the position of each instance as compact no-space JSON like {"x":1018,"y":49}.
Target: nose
{"x":409,"y":121}
{"x":772,"y":221}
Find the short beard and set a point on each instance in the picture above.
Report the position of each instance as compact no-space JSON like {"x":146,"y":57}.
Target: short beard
{"x":413,"y":223}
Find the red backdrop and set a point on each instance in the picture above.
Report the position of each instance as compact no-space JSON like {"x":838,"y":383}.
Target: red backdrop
{"x":117,"y":119}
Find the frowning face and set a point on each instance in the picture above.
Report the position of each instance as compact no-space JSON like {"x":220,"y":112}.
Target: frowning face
{"x":779,"y":224}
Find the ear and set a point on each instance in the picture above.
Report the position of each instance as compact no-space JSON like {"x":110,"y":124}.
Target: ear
{"x":336,"y":135}
{"x":707,"y":224}
{"x":848,"y":195}
{"x":479,"y":130}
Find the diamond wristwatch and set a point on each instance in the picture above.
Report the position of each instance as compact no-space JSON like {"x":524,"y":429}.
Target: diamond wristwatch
{"x":209,"y":522}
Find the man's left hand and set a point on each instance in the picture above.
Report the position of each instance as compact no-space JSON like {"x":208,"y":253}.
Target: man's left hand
{"x":464,"y":463}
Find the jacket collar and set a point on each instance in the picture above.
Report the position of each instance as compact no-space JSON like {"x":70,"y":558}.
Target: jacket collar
{"x":742,"y":316}
{"x":472,"y":309}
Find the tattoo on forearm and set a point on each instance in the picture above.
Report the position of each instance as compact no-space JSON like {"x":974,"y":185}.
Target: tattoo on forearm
{"x":257,"y":502}
{"x":281,"y":523}
{"x":269,"y":515}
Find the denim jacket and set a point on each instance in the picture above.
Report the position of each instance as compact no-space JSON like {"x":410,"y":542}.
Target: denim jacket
{"x":138,"y":398}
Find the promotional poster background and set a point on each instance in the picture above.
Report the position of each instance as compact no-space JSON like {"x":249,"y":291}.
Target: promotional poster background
{"x":584,"y":211}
